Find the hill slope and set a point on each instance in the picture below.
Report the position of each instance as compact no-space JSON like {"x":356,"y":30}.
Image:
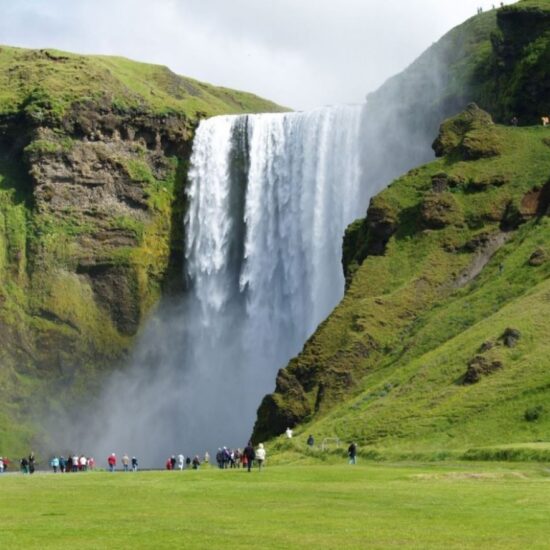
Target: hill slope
{"x":441,"y":341}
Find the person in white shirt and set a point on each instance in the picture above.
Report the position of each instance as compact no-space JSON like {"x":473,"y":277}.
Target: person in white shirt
{"x":260,"y":455}
{"x":181,"y":459}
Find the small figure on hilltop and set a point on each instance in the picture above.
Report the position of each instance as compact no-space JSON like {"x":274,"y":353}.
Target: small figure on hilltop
{"x":111,"y":461}
{"x":126,"y":462}
{"x":173,"y":462}
{"x":24,"y":465}
{"x":249,"y":454}
{"x":196,"y":462}
{"x":83,"y":461}
{"x":134,"y":464}
{"x":207,"y":458}
{"x":55,"y":464}
{"x":62,"y":464}
{"x":1,"y":465}
{"x":310,"y":440}
{"x":168,"y":464}
{"x":91,"y":463}
{"x":181,"y":462}
{"x":260,"y":456}
{"x":514,"y":121}
{"x":288,"y":433}
{"x":352,"y":453}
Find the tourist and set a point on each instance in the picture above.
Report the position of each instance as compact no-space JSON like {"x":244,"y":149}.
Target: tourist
{"x":91,"y":463}
{"x":126,"y":462}
{"x":260,"y":456}
{"x":188,"y":461}
{"x":111,"y":461}
{"x":173,"y":462}
{"x":169,"y":464}
{"x":76,"y":463}
{"x":62,"y":464}
{"x":310,"y":441}
{"x":1,"y":465}
{"x":24,"y":465}
{"x":288,"y":433}
{"x":249,"y":454}
{"x":70,"y":463}
{"x":32,"y":463}
{"x":206,"y":458}
{"x":181,"y":462}
{"x":219,"y":458}
{"x":55,"y":464}
{"x":83,"y":463}
{"x":352,"y":453}
{"x":134,"y":464}
{"x":196,"y":462}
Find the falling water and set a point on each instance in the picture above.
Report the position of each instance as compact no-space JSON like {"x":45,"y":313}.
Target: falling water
{"x":269,"y":197}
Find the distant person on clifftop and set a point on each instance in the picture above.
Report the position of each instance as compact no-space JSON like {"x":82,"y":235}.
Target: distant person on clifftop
{"x":173,"y":462}
{"x":196,"y":462}
{"x":32,"y":463}
{"x":134,"y":464}
{"x":181,"y":462}
{"x":288,"y":433}
{"x":310,"y":440}
{"x":250,"y":455}
{"x":126,"y":462}
{"x":25,"y":465}
{"x":207,"y":457}
{"x":352,"y":453}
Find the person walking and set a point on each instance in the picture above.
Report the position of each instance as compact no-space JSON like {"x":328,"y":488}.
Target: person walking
{"x":181,"y":462}
{"x":32,"y":463}
{"x":134,"y":464}
{"x":352,"y":453}
{"x":126,"y":462}
{"x":260,"y":456}
{"x":111,"y":461}
{"x":310,"y":441}
{"x":196,"y":462}
{"x":1,"y":465}
{"x":250,"y":455}
{"x":55,"y":464}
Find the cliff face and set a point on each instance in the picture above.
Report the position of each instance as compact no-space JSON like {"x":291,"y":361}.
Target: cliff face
{"x":93,"y":159}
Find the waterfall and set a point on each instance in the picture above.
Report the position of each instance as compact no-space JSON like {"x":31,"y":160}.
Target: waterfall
{"x":268,"y":199}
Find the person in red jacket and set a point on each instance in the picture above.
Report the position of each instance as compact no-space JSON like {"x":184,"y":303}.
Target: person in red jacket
{"x":112,"y":462}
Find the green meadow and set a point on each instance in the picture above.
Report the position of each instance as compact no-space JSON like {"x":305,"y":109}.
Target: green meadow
{"x":370,"y":505}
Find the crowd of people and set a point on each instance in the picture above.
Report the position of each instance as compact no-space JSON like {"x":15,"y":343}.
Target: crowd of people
{"x":226,"y":458}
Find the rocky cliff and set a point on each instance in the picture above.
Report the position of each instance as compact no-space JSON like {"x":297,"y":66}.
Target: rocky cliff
{"x":93,"y":157}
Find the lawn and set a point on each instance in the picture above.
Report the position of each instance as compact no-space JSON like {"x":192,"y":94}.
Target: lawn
{"x":370,"y":505}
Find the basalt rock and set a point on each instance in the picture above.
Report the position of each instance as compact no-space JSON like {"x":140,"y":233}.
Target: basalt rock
{"x":479,"y":367}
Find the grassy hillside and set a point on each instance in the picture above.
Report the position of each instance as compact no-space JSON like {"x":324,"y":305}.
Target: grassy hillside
{"x":418,"y":356}
{"x":61,"y":79}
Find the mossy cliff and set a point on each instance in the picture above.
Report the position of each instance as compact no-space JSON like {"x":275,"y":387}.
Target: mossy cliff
{"x":93,"y":156}
{"x":441,"y":340}
{"x":498,"y":59}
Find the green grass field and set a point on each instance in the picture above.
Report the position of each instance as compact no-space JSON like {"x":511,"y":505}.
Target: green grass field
{"x":467,"y":505}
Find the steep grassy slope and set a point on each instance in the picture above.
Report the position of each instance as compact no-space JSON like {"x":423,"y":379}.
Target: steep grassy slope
{"x":417,"y":356}
{"x":499,"y":60}
{"x":93,"y":157}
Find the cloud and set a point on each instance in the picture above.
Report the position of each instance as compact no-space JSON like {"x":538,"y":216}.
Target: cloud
{"x":301,"y":53}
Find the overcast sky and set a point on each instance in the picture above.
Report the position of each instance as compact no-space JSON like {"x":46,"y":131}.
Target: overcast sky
{"x":300,"y":53}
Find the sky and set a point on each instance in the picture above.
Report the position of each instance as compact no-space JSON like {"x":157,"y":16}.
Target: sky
{"x":299,"y":53}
